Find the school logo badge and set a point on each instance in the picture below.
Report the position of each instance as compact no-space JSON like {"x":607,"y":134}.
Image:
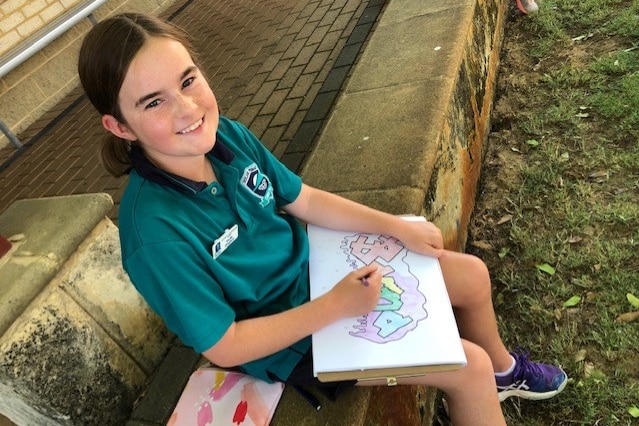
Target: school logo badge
{"x":258,"y":183}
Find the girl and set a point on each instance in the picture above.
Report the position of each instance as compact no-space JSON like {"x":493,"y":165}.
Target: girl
{"x":210,"y":238}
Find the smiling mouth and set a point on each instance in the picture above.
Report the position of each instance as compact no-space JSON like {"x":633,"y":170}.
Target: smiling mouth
{"x":192,"y":127}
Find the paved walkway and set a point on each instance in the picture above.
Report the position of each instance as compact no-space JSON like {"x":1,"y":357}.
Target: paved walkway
{"x":275,"y":65}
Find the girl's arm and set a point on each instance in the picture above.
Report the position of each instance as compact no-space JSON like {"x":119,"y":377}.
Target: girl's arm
{"x":255,"y":338}
{"x":332,"y":211}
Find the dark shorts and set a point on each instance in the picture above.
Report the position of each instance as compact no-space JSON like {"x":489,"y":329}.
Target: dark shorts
{"x":302,"y":378}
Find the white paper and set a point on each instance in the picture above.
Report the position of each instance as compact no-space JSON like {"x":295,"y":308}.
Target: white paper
{"x":414,"y":323}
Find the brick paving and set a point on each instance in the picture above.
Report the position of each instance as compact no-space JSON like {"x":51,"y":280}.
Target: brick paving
{"x":275,"y":65}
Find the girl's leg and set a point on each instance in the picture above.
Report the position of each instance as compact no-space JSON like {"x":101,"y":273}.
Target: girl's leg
{"x":471,"y":392}
{"x":469,"y":288}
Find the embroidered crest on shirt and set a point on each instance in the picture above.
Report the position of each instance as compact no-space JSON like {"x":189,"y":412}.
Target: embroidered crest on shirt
{"x":258,"y":183}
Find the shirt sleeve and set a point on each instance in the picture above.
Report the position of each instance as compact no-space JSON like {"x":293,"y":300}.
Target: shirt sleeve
{"x":179,"y":289}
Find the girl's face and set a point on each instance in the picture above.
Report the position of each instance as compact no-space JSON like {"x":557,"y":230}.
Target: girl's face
{"x":168,"y":106}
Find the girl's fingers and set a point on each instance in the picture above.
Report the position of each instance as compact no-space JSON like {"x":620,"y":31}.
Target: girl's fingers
{"x":433,"y":252}
{"x":366,"y":270}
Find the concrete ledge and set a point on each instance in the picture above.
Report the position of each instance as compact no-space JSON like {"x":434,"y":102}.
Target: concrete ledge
{"x":81,"y":343}
{"x":49,"y":232}
{"x":413,"y":117}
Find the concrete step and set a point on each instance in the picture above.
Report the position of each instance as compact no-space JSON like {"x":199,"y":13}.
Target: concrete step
{"x":77,"y":342}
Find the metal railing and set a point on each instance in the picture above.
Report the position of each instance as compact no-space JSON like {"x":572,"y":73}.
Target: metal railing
{"x":38,"y":40}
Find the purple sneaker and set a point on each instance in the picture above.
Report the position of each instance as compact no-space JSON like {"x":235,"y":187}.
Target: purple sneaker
{"x":531,"y":380}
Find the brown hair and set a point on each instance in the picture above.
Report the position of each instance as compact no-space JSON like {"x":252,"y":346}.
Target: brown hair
{"x":105,"y":56}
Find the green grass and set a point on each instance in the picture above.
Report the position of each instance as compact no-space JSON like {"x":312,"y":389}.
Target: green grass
{"x":575,"y":207}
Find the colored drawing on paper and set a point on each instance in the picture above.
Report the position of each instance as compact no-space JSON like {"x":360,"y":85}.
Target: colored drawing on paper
{"x":218,"y":397}
{"x":401,"y":306}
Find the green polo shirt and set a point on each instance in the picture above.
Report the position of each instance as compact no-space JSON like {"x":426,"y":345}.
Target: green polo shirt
{"x":169,"y":227}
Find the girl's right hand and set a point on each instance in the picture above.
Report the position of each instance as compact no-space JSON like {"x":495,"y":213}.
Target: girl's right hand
{"x":353,"y":297}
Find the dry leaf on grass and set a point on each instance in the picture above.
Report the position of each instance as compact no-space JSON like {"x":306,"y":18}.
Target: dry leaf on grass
{"x":628,"y":317}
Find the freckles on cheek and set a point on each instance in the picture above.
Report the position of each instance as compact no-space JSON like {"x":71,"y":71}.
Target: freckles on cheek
{"x":210,"y":100}
{"x":158,"y":125}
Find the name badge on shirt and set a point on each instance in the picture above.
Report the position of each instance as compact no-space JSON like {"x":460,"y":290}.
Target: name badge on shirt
{"x":222,"y":243}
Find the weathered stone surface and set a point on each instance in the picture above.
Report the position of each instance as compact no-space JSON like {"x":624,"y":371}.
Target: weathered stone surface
{"x":84,"y":343}
{"x":50,"y":229}
{"x":57,"y":366}
{"x":95,"y":279}
{"x":452,"y":190}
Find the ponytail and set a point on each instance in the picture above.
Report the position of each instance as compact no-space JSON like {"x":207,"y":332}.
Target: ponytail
{"x":115,"y":155}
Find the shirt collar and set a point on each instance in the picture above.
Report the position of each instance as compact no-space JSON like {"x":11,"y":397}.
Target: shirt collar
{"x":150,"y":171}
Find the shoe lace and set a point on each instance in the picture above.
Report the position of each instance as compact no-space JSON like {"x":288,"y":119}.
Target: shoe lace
{"x":525,"y":368}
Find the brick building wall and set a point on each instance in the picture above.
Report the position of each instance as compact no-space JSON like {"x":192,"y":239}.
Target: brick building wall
{"x":22,"y":18}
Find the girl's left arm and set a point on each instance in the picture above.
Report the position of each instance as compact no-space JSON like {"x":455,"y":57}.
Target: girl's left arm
{"x":332,"y":211}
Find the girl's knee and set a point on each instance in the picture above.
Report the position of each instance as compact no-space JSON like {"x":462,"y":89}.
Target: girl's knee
{"x":477,"y":267}
{"x":479,"y":365}
{"x":467,"y":278}
{"x":469,"y":265}
{"x":476,"y":376}
{"x":480,"y":277}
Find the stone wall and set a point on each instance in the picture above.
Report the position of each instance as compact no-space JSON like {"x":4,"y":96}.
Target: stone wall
{"x":77,"y":342}
{"x":36,"y":85}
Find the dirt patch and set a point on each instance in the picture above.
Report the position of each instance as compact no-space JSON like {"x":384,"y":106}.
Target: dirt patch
{"x":518,"y":98}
